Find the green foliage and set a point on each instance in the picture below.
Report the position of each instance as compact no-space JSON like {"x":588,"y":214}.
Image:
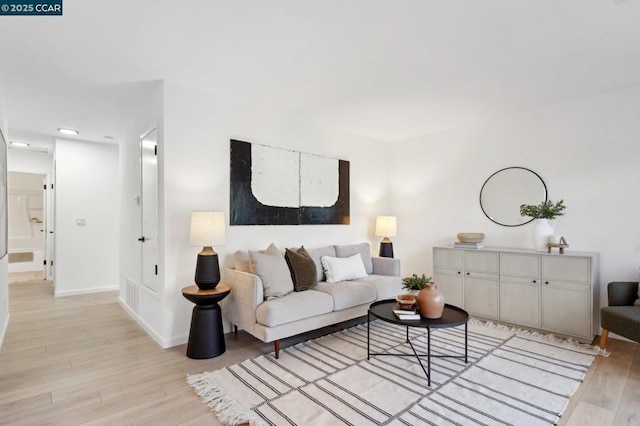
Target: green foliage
{"x":545,"y":210}
{"x":415,"y":282}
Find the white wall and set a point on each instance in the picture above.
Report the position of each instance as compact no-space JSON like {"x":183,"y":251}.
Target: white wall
{"x":197,"y":129}
{"x":141,"y":119}
{"x":86,"y":257}
{"x":4,"y":262}
{"x":30,"y":162}
{"x":586,"y":151}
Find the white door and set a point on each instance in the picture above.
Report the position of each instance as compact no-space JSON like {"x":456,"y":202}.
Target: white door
{"x":149,"y":238}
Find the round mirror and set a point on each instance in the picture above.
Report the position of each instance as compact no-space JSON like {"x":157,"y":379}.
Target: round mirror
{"x":507,"y":189}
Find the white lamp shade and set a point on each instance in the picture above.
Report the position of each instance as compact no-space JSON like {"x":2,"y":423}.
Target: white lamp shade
{"x":207,"y":229}
{"x":386,"y":226}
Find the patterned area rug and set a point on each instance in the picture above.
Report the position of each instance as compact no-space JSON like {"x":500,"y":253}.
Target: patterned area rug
{"x":512,"y":377}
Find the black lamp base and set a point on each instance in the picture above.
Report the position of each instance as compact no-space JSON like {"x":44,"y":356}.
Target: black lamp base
{"x":386,"y":249}
{"x":207,"y":271}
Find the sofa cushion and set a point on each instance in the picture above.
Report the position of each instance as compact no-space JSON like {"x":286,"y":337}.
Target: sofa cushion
{"x":364,"y":249}
{"x":293,"y":307}
{"x":347,"y":294}
{"x":273,"y":271}
{"x":342,"y":269}
{"x":316,"y":254}
{"x":386,"y":287}
{"x":303,"y":269}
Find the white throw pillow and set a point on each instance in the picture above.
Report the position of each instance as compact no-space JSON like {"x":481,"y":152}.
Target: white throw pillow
{"x":343,"y":268}
{"x":274,"y":272}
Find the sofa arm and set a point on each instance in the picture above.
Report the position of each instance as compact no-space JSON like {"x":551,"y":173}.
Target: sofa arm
{"x":386,"y":266}
{"x":622,"y":293}
{"x":247,"y":293}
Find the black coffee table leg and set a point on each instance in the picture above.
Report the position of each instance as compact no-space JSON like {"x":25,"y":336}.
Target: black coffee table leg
{"x":206,"y":338}
{"x":407,"y":334}
{"x":368,"y":333}
{"x":466,"y":340}
{"x":429,"y":356}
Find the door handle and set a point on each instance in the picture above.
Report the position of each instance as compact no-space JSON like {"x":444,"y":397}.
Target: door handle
{"x":142,"y":239}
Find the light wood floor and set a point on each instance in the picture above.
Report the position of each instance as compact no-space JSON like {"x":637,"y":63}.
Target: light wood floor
{"x":82,"y":359}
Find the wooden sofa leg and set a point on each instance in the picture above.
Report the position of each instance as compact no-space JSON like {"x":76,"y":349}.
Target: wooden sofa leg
{"x":276,"y":348}
{"x":603,"y":338}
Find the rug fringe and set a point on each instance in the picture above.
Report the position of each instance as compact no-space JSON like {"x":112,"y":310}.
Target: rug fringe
{"x":593,"y":350}
{"x":227,"y":409}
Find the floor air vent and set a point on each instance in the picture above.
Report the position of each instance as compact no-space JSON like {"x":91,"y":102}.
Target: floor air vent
{"x":132,"y":295}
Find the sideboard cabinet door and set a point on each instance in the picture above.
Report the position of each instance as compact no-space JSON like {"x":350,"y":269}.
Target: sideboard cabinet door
{"x":447,"y":274}
{"x":481,"y":283}
{"x":567,"y":295}
{"x":520,"y":289}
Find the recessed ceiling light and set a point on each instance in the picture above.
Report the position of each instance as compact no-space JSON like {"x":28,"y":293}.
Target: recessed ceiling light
{"x":20,"y":144}
{"x":68,"y":131}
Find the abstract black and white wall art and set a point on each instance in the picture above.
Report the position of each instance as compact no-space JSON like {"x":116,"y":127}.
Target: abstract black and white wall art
{"x":274,"y":186}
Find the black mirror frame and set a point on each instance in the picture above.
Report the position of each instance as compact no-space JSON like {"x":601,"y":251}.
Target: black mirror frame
{"x":546,"y":194}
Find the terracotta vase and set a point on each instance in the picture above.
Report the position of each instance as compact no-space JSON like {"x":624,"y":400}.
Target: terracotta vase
{"x":431,"y":302}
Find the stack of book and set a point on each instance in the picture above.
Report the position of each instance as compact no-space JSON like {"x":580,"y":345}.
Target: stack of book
{"x":458,"y":244}
{"x":407,"y":314}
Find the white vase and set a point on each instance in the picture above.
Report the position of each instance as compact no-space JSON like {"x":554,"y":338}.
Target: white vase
{"x":542,"y":230}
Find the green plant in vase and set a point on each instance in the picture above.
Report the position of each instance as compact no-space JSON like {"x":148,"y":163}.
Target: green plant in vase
{"x":544,"y":210}
{"x":544,"y":215}
{"x":416,"y":282}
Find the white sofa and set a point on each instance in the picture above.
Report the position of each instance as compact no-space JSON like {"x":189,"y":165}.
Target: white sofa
{"x":299,"y":312}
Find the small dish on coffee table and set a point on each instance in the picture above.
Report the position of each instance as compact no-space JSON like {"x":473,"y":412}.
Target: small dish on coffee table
{"x":406,"y":301}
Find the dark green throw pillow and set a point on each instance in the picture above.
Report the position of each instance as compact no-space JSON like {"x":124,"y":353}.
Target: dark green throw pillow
{"x":303,"y":269}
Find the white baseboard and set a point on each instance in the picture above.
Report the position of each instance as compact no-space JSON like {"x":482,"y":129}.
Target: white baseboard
{"x":66,"y":293}
{"x":3,"y":332}
{"x":176,"y":341}
{"x":162,"y":342}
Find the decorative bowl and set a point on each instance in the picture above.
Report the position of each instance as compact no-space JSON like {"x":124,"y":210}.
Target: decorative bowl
{"x":405,"y":301}
{"x":471,"y":237}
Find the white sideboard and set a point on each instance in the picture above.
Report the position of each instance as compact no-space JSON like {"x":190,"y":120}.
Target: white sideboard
{"x":552,"y":292}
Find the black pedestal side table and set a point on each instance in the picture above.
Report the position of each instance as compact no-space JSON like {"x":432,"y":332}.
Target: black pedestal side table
{"x":206,"y":337}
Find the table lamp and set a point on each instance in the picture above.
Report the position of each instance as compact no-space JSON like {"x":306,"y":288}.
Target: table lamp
{"x":386,"y":227}
{"x":207,"y":229}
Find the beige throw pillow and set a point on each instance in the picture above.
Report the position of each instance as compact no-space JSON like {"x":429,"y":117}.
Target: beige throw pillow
{"x":272,"y":268}
{"x":241,"y":261}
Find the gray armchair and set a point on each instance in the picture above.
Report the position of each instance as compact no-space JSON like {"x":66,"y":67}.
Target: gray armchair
{"x":621,"y":317}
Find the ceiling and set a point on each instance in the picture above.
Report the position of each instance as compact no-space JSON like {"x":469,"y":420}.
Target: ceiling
{"x":387,"y":69}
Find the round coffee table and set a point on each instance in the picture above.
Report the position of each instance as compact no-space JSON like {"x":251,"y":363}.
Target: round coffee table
{"x":452,"y":316}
